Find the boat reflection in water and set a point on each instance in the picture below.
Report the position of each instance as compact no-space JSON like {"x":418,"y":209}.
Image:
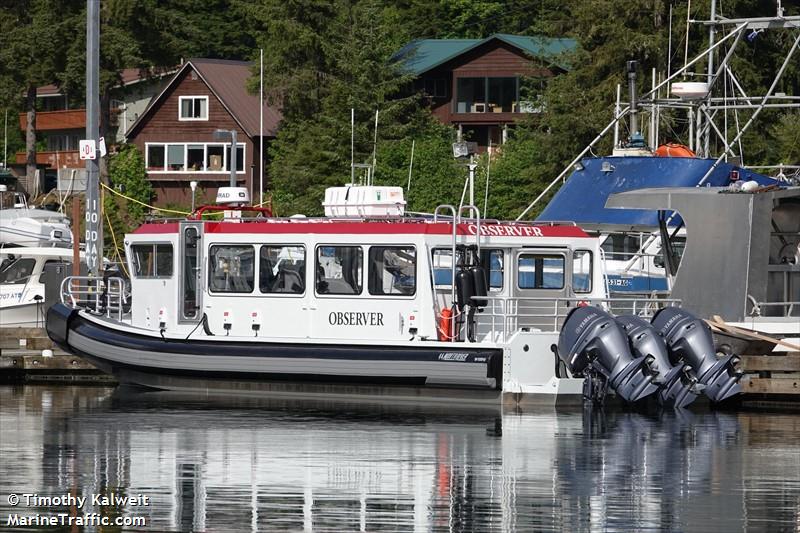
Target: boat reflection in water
{"x":225,"y":465}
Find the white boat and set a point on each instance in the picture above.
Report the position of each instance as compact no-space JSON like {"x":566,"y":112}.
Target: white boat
{"x":21,"y":225}
{"x":22,"y":283}
{"x":362,"y":306}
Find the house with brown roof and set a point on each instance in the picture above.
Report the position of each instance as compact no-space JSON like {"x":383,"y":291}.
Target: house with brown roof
{"x":176,"y":131}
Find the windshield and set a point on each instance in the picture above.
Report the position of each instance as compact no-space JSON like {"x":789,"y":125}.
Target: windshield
{"x":17,"y":271}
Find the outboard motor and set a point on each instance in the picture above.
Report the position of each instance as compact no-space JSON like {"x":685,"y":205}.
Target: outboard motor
{"x":689,"y":341}
{"x":677,"y":386}
{"x":594,"y":346}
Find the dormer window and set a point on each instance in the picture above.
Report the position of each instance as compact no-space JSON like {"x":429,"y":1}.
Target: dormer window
{"x":193,"y":108}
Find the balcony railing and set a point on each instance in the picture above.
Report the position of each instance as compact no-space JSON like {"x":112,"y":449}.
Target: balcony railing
{"x":68,"y":119}
{"x":69,"y":159}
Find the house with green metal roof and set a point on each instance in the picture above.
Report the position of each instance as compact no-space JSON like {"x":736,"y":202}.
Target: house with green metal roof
{"x":474,"y":84}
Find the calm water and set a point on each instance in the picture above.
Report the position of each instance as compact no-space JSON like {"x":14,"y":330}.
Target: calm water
{"x":221,"y":465}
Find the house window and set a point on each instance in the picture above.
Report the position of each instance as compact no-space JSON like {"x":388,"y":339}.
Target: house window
{"x":436,"y":87}
{"x":175,"y":157}
{"x":197,"y":158}
{"x":502,"y":95}
{"x":214,"y":157}
{"x":193,"y":108}
{"x":239,"y":157}
{"x":155,"y":156}
{"x":392,"y":270}
{"x":339,"y":269}
{"x":471,"y":95}
{"x":487,"y":95}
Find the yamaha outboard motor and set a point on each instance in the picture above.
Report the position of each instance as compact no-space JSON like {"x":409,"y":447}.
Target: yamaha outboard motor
{"x":689,"y":341}
{"x":677,"y":386}
{"x":592,"y":343}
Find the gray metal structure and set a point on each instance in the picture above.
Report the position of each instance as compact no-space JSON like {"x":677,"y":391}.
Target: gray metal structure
{"x":741,"y":250}
{"x":94,"y":226}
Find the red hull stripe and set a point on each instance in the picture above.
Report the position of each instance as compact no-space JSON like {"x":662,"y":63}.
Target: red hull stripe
{"x":371,"y":228}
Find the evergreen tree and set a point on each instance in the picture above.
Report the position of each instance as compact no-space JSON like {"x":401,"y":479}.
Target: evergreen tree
{"x":34,"y":37}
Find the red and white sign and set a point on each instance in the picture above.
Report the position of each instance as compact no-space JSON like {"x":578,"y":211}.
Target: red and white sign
{"x":87,"y":149}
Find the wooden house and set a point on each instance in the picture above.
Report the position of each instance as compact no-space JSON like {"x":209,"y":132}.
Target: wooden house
{"x":176,"y":133}
{"x":483,"y":86}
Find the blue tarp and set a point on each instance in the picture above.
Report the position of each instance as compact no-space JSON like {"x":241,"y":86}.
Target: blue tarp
{"x":583,"y":196}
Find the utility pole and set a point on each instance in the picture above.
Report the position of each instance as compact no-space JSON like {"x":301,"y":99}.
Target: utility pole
{"x":94,"y":226}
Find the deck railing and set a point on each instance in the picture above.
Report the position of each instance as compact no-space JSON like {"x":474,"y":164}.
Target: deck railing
{"x":101,"y":296}
{"x":504,"y":316}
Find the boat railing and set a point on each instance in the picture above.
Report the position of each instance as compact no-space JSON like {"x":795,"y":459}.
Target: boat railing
{"x":759,"y":308}
{"x":101,"y":296}
{"x":503,"y":316}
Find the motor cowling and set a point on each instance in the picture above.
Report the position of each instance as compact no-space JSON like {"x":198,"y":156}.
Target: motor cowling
{"x":690,"y":342}
{"x":592,"y":340}
{"x":677,"y":386}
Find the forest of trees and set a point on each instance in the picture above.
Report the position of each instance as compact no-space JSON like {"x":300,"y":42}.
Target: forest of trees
{"x":324,"y":57}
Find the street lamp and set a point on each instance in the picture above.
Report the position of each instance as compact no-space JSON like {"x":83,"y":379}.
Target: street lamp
{"x":193,"y":185}
{"x":224,"y":135}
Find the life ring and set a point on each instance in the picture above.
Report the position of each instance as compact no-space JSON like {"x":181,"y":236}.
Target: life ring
{"x":674,"y":150}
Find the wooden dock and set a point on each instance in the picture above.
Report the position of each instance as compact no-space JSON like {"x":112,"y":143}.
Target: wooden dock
{"x":22,"y":360}
{"x":769,"y":380}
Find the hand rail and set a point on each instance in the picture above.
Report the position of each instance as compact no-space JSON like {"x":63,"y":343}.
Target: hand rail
{"x":506,"y":315}
{"x":101,"y":296}
{"x":198,"y":215}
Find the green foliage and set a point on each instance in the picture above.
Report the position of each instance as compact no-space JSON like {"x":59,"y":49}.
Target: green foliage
{"x":347,"y":64}
{"x":128,"y":175}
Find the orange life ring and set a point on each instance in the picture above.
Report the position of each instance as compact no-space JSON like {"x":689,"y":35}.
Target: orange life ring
{"x":446,"y":324}
{"x":674,"y":150}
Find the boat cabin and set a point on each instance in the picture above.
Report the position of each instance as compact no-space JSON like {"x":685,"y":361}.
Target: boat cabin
{"x":389,"y":279}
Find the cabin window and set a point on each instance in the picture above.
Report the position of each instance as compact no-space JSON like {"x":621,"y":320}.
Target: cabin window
{"x":540,"y":271}
{"x":53,"y":262}
{"x":193,"y":108}
{"x":393,"y":270}
{"x":582,"y":271}
{"x":621,"y":247}
{"x":339,"y":269}
{"x":442,"y":264}
{"x":16,"y":271}
{"x":231,"y":268}
{"x":282,"y":269}
{"x":152,"y":260}
{"x":492,"y":261}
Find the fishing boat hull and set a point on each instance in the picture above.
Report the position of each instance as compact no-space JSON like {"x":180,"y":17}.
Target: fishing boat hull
{"x":153,"y":361}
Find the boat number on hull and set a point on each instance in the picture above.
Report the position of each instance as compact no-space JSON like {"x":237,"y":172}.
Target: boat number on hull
{"x":355,"y":318}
